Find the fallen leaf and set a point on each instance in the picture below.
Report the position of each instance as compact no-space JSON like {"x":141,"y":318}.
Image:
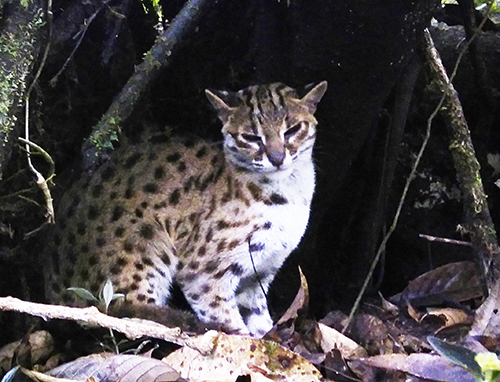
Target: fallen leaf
{"x":459,"y":281}
{"x":40,"y":342}
{"x":331,"y":339}
{"x":427,"y":366}
{"x":107,"y":367}
{"x":449,"y":317}
{"x":300,"y":301}
{"x":235,"y":356}
{"x":486,"y":327}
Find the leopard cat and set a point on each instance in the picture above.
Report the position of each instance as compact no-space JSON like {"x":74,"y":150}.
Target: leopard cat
{"x":218,"y":218}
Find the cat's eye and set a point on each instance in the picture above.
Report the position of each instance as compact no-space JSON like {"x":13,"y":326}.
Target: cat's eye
{"x":293,"y":130}
{"x":251,"y":138}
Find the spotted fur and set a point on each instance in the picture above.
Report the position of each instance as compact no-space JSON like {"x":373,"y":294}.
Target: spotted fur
{"x":218,"y":219}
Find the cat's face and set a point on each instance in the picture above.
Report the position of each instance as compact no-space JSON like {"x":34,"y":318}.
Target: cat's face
{"x":267,"y":128}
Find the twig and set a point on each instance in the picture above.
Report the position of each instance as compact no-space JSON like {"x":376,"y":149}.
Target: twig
{"x":81,"y":35}
{"x":445,"y":240}
{"x":433,"y":55}
{"x":158,"y":58}
{"x":131,"y":328}
{"x":40,"y":180}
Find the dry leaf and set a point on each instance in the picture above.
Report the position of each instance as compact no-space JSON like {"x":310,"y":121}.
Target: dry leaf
{"x":388,"y":306}
{"x":427,"y":366}
{"x":41,"y":344}
{"x":456,"y":282}
{"x":486,"y":327}
{"x":449,"y":317}
{"x":241,"y":355}
{"x":300,"y":301}
{"x":106,"y":367}
{"x":331,"y":339}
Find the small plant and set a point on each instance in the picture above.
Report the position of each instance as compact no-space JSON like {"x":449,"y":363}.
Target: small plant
{"x":485,"y":367}
{"x":106,"y":295}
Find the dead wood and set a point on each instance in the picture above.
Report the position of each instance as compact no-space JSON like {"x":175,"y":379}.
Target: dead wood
{"x":477,"y":219}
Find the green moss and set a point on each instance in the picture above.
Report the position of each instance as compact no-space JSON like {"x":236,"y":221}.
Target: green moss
{"x":17,"y":55}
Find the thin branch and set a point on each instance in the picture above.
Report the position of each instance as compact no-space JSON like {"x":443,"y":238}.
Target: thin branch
{"x":445,"y":240}
{"x":131,"y":328}
{"x":81,"y":35}
{"x":157,"y":59}
{"x":40,"y":180}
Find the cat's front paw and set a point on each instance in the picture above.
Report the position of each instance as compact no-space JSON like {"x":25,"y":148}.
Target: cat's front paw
{"x":259,"y":324}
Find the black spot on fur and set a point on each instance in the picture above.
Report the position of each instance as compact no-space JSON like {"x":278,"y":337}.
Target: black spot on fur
{"x":221,"y":245}
{"x":139,"y":266}
{"x":121,"y":262}
{"x":175,"y":197}
{"x":221,"y":224}
{"x":81,"y":229}
{"x":138,"y":213}
{"x":277,"y":199}
{"x":150,"y":188}
{"x":160,"y":205}
{"x":201,"y":152}
{"x":128,"y":247}
{"x":132,"y":160}
{"x":267,"y":225}
{"x":97,"y":190}
{"x":93,"y":260}
{"x":100,"y":242}
{"x":129,"y":192}
{"x":146,"y":231}
{"x":202,"y":251}
{"x":172,"y":158}
{"x":236,"y":269}
{"x":255,"y":190}
{"x":255,"y":247}
{"x":119,"y":232}
{"x":141,"y":297}
{"x":108,"y":173}
{"x":181,"y":167}
{"x":137,"y":277}
{"x":147,"y":261}
{"x":84,"y":248}
{"x":159,"y":172}
{"x":233,"y":244}
{"x":117,"y":213}
{"x":209,"y":235}
{"x":211,"y":266}
{"x":93,"y":213}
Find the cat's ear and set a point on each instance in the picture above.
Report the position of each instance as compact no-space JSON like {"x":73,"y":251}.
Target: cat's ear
{"x":219,"y":100}
{"x":313,"y":96}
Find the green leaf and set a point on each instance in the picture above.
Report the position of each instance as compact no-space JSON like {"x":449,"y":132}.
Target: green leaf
{"x":458,"y":355}
{"x":84,"y":294}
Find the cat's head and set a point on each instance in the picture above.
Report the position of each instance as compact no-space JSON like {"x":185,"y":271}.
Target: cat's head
{"x":267,"y":128}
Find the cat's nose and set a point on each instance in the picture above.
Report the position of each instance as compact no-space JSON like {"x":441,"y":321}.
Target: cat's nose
{"x":276,"y":157}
